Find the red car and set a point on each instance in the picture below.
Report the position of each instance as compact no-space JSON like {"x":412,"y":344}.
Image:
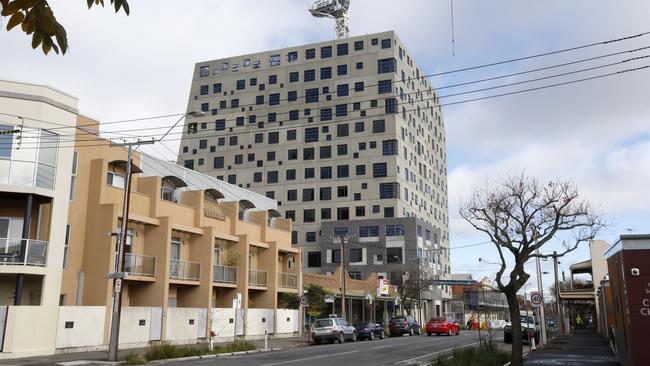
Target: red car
{"x":441,"y":325}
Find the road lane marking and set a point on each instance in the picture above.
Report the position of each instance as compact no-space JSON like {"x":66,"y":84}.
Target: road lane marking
{"x":309,"y":358}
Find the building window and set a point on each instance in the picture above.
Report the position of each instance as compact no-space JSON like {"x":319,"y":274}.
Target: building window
{"x":204,"y":71}
{"x":326,"y":213}
{"x":270,"y":156}
{"x":307,"y":194}
{"x":204,"y":90}
{"x":292,"y":96}
{"x":310,"y":173}
{"x":341,"y":149}
{"x":310,"y":237}
{"x":308,"y":153}
{"x":325,"y":152}
{"x":326,"y":52}
{"x":313,"y":259}
{"x":291,"y":135}
{"x":234,"y":103}
{"x":360,"y":211}
{"x":309,"y":75}
{"x":394,"y":255}
{"x":342,"y":191}
{"x":391,"y":105}
{"x":257,"y":177}
{"x":385,"y":43}
{"x":309,"y":215}
{"x":218,"y":162}
{"x":73,"y":175}
{"x":274,"y":99}
{"x":239,"y":159}
{"x":115,"y":179}
{"x":356,"y":255}
{"x":388,"y":190}
{"x":384,"y":86}
{"x":374,"y":41}
{"x":358,"y":45}
{"x":294,"y":115}
{"x":378,"y":126}
{"x":310,"y":53}
{"x":232,"y":178}
{"x":358,"y":86}
{"x":239,"y":121}
{"x":253,"y":81}
{"x":292,"y":154}
{"x":342,"y":49}
{"x":220,"y":125}
{"x":271,"y":117}
{"x":326,"y":114}
{"x":292,"y":195}
{"x":294,"y":76}
{"x":341,"y":70}
{"x":342,"y":90}
{"x":216,"y":88}
{"x":368,"y":231}
{"x":336,"y":255}
{"x":274,"y":137}
{"x":342,"y":213}
{"x":241,"y":84}
{"x":386,"y":65}
{"x":66,"y":245}
{"x":291,"y":174}
{"x":311,"y":95}
{"x":326,"y":172}
{"x":342,"y":130}
{"x":361,"y":169}
{"x":273,"y":79}
{"x":325,"y":73}
{"x":341,"y":110}
{"x":311,"y":134}
{"x":359,"y":65}
{"x":325,"y":193}
{"x":379,"y":170}
{"x":272,"y":177}
{"x":290,"y":215}
{"x":294,"y":237}
{"x":342,"y":171}
{"x":274,"y":60}
{"x":389,"y":147}
{"x":389,"y":212}
{"x":259,"y":138}
{"x":259,"y":100}
{"x":395,"y":230}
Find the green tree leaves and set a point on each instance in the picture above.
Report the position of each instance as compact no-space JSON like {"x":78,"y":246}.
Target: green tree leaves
{"x":37,"y":19}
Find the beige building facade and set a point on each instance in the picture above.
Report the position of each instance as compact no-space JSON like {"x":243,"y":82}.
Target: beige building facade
{"x":342,"y":131}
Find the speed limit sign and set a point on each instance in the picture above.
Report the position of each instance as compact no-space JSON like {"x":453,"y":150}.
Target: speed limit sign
{"x":536,"y":298}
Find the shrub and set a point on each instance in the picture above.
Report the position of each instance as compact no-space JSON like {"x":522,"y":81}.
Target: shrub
{"x":484,"y":355}
{"x":135,"y":359}
{"x":165,"y":351}
{"x":236,"y":346}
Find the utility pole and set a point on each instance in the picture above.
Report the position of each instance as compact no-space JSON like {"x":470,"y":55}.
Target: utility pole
{"x":343,"y":238}
{"x":540,"y":288}
{"x":557,"y":293}
{"x":117,"y":280}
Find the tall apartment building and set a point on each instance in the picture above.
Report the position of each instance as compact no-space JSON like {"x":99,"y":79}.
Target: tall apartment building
{"x":347,"y":136}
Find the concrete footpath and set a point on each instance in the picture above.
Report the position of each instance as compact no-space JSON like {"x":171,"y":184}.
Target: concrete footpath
{"x":96,"y":357}
{"x":584,"y":347}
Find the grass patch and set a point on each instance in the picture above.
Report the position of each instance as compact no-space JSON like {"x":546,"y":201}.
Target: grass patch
{"x":135,"y":359}
{"x":484,"y":355}
{"x":236,"y":346}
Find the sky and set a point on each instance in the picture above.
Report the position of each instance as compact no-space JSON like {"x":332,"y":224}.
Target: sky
{"x":595,"y":133}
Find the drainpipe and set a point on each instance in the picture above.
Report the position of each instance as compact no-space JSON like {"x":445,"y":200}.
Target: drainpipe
{"x":27,"y":221}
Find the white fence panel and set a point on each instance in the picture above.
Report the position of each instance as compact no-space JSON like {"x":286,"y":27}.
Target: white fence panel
{"x":80,"y":326}
{"x":182,"y":324}
{"x":223,"y":322}
{"x":135,"y":325}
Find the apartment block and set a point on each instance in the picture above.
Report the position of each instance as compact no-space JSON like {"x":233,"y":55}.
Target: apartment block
{"x":338,"y":132}
{"x":201,"y":256}
{"x":34,"y":191}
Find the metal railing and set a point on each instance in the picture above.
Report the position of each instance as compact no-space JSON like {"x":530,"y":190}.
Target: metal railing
{"x":287,"y":280}
{"x":257,"y":278}
{"x":184,"y":270}
{"x":139,"y":265}
{"x":225,"y":274}
{"x":35,"y":252}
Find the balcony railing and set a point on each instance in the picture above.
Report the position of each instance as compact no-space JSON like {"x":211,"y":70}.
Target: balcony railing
{"x":212,"y":210}
{"x":184,"y":270}
{"x":139,"y":265}
{"x":225,"y":274}
{"x":257,"y":278}
{"x":35,"y":252}
{"x":287,"y":280}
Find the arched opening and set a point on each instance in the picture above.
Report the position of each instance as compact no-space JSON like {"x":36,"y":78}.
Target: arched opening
{"x":169,"y":185}
{"x":244,"y":206}
{"x":272,"y":216}
{"x":116,"y":173}
{"x":211,"y":206}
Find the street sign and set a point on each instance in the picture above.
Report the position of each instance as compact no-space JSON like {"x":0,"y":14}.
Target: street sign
{"x":304,"y":300}
{"x":118,"y":285}
{"x":536,"y":298}
{"x":329,"y":299}
{"x":114,"y":275}
{"x":383,"y":288}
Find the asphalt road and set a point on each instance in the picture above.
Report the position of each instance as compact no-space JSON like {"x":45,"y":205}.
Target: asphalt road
{"x":390,"y":351}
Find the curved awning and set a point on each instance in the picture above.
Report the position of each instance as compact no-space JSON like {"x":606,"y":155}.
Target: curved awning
{"x":214,"y":194}
{"x":273,"y":213}
{"x":122,"y":164}
{"x":176,"y":181}
{"x":245,"y":205}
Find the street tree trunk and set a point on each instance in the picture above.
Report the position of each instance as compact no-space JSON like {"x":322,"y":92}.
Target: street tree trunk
{"x":516,"y":355}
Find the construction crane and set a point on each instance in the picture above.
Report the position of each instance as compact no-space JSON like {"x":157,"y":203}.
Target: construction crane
{"x":335,"y":9}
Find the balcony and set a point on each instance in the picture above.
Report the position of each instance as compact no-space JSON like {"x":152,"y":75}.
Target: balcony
{"x":184,"y":270}
{"x":287,"y":280}
{"x":139,"y":265}
{"x":35,"y":252}
{"x":225,"y":274}
{"x":257,"y":278}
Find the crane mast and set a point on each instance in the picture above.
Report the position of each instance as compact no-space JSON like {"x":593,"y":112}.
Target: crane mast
{"x":335,"y":9}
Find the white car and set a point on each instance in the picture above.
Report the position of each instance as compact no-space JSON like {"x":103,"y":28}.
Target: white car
{"x":529,"y":329}
{"x":332,"y":329}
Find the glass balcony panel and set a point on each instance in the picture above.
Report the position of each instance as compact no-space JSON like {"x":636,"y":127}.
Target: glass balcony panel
{"x":257,"y":278}
{"x":287,"y":280}
{"x":139,"y":265}
{"x":225,"y":274}
{"x":184,"y":270}
{"x":35,"y":252}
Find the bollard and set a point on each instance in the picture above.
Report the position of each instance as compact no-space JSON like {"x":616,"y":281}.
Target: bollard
{"x":266,"y":339}
{"x":533,"y":344}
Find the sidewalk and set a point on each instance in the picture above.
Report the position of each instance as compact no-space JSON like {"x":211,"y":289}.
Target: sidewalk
{"x":98,"y":357}
{"x":584,"y":347}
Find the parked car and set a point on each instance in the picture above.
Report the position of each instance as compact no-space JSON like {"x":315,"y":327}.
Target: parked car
{"x":442,"y":325}
{"x":400,"y":325}
{"x":529,"y":329}
{"x":332,"y":329}
{"x":369,"y":331}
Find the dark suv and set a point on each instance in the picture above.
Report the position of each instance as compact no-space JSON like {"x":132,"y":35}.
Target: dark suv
{"x":403,"y":325}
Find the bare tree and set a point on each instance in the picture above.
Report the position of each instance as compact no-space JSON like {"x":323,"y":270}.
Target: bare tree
{"x":520,"y":215}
